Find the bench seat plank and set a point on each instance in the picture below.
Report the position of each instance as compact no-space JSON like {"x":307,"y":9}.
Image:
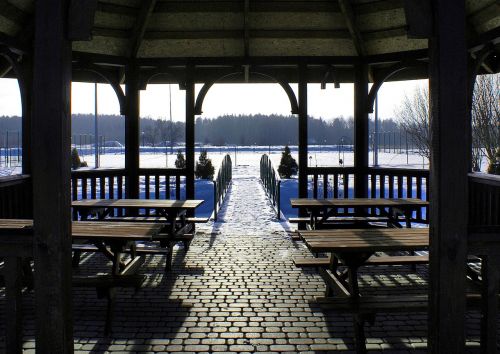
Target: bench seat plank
{"x":304,"y":262}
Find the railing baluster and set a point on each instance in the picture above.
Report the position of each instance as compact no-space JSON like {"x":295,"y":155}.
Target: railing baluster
{"x":102,"y":188}
{"x":177,"y":187}
{"x":400,"y":186}
{"x":146,"y":192}
{"x":409,"y":186}
{"x":335,"y":186}
{"x":325,"y":186}
{"x":167,"y":187}
{"x":93,"y":194}
{"x":157,"y":186}
{"x":391,"y":186}
{"x":315,"y":186}
{"x":84,"y":188}
{"x":373,"y":185}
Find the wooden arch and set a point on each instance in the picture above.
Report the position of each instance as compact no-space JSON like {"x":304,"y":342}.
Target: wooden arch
{"x":388,"y":73}
{"x":145,"y":81}
{"x":286,"y":87}
{"x":109,"y":79}
{"x":13,"y":60}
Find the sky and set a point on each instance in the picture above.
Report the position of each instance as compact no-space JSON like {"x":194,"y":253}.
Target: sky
{"x":221,"y":99}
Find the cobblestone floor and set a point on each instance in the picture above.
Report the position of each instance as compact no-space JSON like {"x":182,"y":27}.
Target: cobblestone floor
{"x":237,"y":290}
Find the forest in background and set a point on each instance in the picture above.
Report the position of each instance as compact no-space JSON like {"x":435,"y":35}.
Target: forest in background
{"x":255,"y":129}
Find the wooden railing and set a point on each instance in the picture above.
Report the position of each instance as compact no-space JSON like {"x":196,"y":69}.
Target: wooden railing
{"x":222,"y":183}
{"x":271,"y":182}
{"x":484,"y":200}
{"x":338,"y":182}
{"x":155,"y":183}
{"x":16,"y":197}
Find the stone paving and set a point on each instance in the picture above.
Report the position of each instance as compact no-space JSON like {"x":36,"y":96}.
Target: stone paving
{"x":237,"y":291}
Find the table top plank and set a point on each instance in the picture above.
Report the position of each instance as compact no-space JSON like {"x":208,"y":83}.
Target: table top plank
{"x":366,"y":240}
{"x":357,"y":202}
{"x":137,"y":203}
{"x":129,"y":231}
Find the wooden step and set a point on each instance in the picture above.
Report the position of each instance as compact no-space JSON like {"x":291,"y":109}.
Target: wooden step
{"x":323,"y":262}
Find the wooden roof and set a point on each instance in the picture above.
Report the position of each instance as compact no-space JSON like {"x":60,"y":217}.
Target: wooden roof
{"x":232,"y":33}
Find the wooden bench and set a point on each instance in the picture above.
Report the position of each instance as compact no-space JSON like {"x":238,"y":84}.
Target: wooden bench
{"x":159,"y":219}
{"x":324,"y":262}
{"x":343,"y":219}
{"x":365,"y":308}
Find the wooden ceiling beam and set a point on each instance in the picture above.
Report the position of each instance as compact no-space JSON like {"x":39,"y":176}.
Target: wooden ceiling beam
{"x":117,"y":9}
{"x":255,"y":6}
{"x":12,"y":12}
{"x":350,"y":19}
{"x":246,"y":28}
{"x":147,"y":7}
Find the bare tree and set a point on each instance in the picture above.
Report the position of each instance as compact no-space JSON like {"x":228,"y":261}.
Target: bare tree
{"x":486,"y":119}
{"x":414,"y":117}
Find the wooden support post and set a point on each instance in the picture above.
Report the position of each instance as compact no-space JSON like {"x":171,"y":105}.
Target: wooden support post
{"x":360,"y":130}
{"x":51,"y":171}
{"x":13,"y":305}
{"x":490,"y":279}
{"x":302,"y":138}
{"x":190,"y":133}
{"x":26,"y":97}
{"x":448,"y":177}
{"x":132,"y":131}
{"x":303,"y":131}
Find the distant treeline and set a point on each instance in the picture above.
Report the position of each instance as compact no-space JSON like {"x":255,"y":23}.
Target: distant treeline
{"x":225,"y":130}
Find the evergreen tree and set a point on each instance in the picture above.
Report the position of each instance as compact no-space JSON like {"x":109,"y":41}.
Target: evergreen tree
{"x":288,"y":166}
{"x":75,"y":160}
{"x":204,"y":168}
{"x":180,"y":162}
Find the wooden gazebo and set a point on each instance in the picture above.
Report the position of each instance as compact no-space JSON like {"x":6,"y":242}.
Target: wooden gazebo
{"x":47,"y":44}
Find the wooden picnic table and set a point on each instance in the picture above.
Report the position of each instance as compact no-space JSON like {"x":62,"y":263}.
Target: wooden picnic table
{"x":353,"y":247}
{"x":171,"y":213}
{"x":116,"y":236}
{"x":112,"y":239}
{"x":321,"y":209}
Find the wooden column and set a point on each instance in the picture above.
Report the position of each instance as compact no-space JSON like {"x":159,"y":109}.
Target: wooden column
{"x":302,"y":132}
{"x":26,"y":88}
{"x":361,"y":130}
{"x":190,"y":162}
{"x":448,"y":177}
{"x":132,"y":95}
{"x":51,"y":171}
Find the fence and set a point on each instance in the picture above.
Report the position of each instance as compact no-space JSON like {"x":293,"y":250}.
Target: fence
{"x":222,"y":183}
{"x":271,"y":182}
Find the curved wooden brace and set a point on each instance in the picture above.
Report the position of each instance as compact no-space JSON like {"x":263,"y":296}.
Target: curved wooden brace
{"x":286,"y":87}
{"x":114,"y":84}
{"x":19,"y":71}
{"x":396,"y":68}
{"x":476,"y":65}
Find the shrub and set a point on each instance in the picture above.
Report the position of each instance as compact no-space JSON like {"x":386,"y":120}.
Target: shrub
{"x":204,"y":168}
{"x":288,"y":166}
{"x":75,"y":160}
{"x":180,"y":162}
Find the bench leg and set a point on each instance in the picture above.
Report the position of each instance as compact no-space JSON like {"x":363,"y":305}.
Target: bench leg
{"x":169,"y":257}
{"x":359,"y":334}
{"x":75,"y":261}
{"x":109,"y":293}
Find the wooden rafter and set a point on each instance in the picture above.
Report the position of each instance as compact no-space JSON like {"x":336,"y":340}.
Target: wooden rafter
{"x":350,"y":19}
{"x":141,"y":23}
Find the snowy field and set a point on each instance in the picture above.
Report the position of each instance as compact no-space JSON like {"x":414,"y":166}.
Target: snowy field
{"x":246,"y":156}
